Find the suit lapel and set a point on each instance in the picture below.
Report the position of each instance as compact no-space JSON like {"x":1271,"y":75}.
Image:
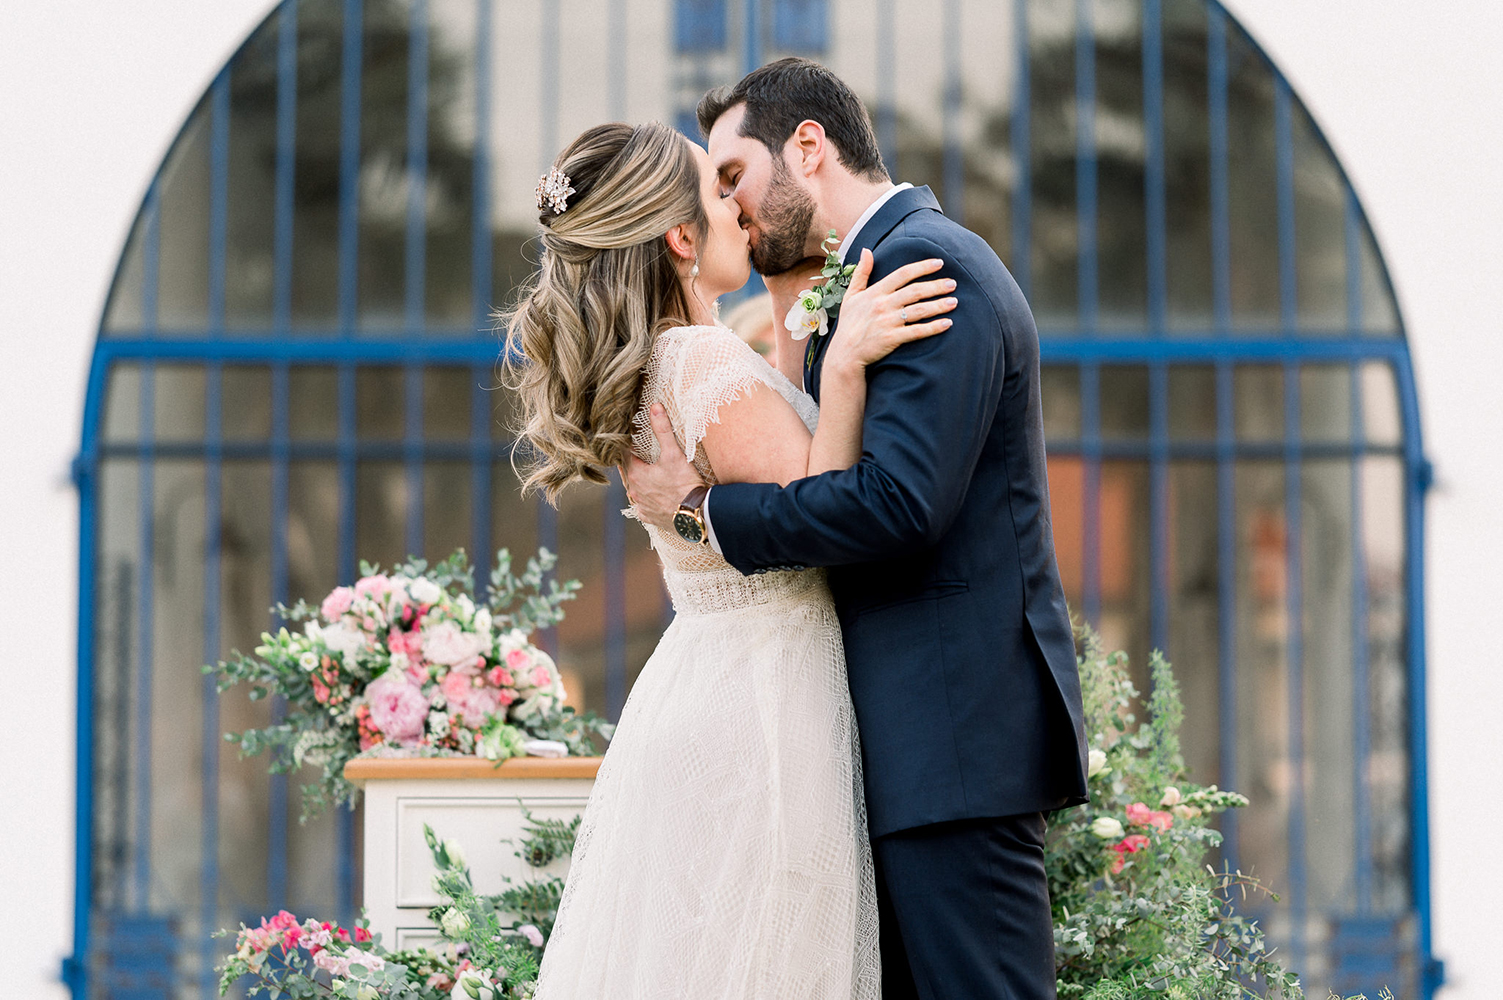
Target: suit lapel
{"x":897,"y":208}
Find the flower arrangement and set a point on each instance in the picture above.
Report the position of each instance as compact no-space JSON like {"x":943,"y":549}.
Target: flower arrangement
{"x":408,"y":663}
{"x":478,"y":958}
{"x":1137,"y":912}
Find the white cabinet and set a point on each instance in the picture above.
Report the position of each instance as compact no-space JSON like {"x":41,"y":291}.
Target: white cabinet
{"x":467,"y":800}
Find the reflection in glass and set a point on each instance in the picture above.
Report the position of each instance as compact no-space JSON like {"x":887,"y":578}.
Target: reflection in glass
{"x":384,"y":173}
{"x":381,"y":513}
{"x":250,"y":261}
{"x":179,"y":402}
{"x":1187,"y":161}
{"x":1121,"y":149}
{"x":449,"y":192}
{"x":122,"y":402}
{"x":123,"y":311}
{"x":446,"y":403}
{"x":1258,"y":395}
{"x":1319,"y":230}
{"x":1192,"y":403}
{"x":380,"y":394}
{"x":315,"y":218}
{"x":313,"y":403}
{"x":1126,"y":586}
{"x":1059,"y":385}
{"x":1055,"y":262}
{"x":183,"y":287}
{"x":1381,"y":421}
{"x":245,"y":403}
{"x":1193,"y":613}
{"x":1380,"y":314}
{"x":313,"y":519}
{"x":1251,"y":186}
{"x":1124,"y":402}
{"x":1325,"y":402}
{"x":447,"y":506}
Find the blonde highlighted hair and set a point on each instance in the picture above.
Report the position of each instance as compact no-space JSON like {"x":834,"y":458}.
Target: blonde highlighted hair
{"x":580,"y":336}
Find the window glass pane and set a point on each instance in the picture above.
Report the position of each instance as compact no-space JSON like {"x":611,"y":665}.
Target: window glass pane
{"x":514,"y":518}
{"x":1258,"y":392}
{"x":1325,"y":402}
{"x":1319,"y":230}
{"x":315,"y":220}
{"x":183,"y":275}
{"x":313,"y":519}
{"x":447,"y":394}
{"x":1263,"y":766}
{"x":313,"y":404}
{"x":1124,"y":402}
{"x":447,"y":503}
{"x":245,"y":395}
{"x":449,"y":194}
{"x":1194,"y":614}
{"x":1060,"y":387}
{"x":1187,"y":159}
{"x":383,"y":168}
{"x":179,"y":403}
{"x":1380,"y":315}
{"x":381,"y":513}
{"x":1051,"y":69}
{"x":250,"y":223}
{"x":1387,"y":622}
{"x":1382,"y":423}
{"x":1252,"y":186}
{"x":245,"y":597}
{"x":380,"y":407}
{"x":505,"y":408}
{"x":987,"y":43}
{"x":1326,"y":561}
{"x":122,"y":403}
{"x":1067,"y":517}
{"x":1126,"y":586}
{"x":1121,"y":226}
{"x":122,"y":313}
{"x":1192,"y":403}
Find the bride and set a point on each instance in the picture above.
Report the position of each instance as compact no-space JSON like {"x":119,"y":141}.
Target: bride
{"x":724,"y":851}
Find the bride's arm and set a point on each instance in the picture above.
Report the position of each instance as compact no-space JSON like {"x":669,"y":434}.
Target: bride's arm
{"x":758,"y":438}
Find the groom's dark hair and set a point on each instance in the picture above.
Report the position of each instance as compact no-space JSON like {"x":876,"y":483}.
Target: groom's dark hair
{"x":782,"y":94}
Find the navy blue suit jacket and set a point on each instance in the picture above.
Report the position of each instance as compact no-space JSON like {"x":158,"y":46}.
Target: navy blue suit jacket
{"x":957,"y":638}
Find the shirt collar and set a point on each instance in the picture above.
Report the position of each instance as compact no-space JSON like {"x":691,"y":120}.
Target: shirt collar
{"x":871,"y":210}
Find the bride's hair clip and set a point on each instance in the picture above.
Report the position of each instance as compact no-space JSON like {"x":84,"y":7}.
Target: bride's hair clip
{"x":553,"y":191}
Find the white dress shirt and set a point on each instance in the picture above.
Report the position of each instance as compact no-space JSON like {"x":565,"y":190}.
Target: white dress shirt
{"x":845,"y":244}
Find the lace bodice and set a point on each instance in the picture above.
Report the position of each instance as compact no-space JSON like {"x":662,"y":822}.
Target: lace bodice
{"x":694,"y":371}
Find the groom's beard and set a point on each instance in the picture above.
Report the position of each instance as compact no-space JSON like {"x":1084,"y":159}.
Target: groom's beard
{"x":787,"y":213}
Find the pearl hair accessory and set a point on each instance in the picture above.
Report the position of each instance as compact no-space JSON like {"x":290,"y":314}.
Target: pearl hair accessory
{"x":553,"y":190}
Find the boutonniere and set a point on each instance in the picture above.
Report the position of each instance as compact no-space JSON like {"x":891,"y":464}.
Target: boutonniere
{"x":814,"y":307}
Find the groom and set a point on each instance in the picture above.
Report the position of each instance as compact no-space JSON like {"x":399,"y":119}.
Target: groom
{"x":940,"y":552}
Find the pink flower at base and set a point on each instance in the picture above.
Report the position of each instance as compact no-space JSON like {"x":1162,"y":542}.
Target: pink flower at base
{"x":1139,"y":814}
{"x":337,"y":603}
{"x":397,"y":707}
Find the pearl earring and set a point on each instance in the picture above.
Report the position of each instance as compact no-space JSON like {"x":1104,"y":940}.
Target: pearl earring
{"x":694,"y":271}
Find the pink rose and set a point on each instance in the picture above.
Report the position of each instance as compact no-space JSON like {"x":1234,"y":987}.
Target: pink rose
{"x":1130,"y":844}
{"x":398,"y":708}
{"x":1139,"y":814}
{"x":532,"y":934}
{"x":541,"y":677}
{"x":472,"y":703}
{"x":506,"y":696}
{"x":517,"y":659}
{"x":373,"y":586}
{"x":337,"y":603}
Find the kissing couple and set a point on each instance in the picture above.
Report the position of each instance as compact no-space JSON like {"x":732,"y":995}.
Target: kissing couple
{"x":831,"y":776}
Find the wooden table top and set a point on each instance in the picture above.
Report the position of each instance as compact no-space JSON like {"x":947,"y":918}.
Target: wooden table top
{"x":460,"y":768}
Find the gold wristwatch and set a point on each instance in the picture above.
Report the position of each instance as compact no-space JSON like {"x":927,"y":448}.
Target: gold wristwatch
{"x":689,"y":522}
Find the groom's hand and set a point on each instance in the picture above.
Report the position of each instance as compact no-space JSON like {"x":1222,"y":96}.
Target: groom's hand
{"x":657,"y":488}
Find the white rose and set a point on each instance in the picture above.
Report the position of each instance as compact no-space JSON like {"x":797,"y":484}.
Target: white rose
{"x":1097,"y":763}
{"x":308,"y":661}
{"x":454,"y":923}
{"x":450,"y":645}
{"x":1171,"y":797}
{"x":424,"y":591}
{"x":1107,"y":828}
{"x":473,"y":984}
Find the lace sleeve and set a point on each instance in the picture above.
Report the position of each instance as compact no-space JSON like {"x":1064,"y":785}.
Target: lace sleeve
{"x":694,"y":372}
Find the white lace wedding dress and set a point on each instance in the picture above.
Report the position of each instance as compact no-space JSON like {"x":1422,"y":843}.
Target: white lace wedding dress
{"x":724,"y":854}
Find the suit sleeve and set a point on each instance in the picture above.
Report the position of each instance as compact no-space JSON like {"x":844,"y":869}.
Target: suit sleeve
{"x":930,"y":405}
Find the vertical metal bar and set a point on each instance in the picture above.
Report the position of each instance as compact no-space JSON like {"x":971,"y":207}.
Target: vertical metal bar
{"x":219,"y":171}
{"x":615,"y":597}
{"x":1159,"y":568}
{"x":414,"y":307}
{"x":954,"y":154}
{"x":751,"y":37}
{"x":141,"y":757}
{"x":1361,"y":697}
{"x":281,"y":310}
{"x":1154,"y":199}
{"x":1087,"y":289}
{"x":1294,"y":611}
{"x":1022,"y":152}
{"x":1221,"y":231}
{"x":887,"y":96}
{"x":349,"y":165}
{"x":1283,"y":142}
{"x":208,"y":693}
{"x":1090,"y":425}
{"x":1226,"y":589}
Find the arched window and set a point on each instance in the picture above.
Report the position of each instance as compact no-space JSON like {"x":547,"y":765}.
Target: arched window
{"x":295,"y":371}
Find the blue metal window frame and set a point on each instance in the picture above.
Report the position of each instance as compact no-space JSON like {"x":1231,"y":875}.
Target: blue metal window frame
{"x":1088,"y":348}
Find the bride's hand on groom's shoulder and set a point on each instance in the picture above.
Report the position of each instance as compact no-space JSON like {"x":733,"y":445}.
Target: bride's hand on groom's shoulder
{"x":876,"y":320}
{"x":656,"y":489}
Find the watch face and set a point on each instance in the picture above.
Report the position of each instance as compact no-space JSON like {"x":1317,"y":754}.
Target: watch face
{"x":688,"y":527}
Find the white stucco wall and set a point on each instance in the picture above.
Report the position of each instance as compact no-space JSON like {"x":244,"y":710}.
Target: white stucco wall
{"x":92,"y":91}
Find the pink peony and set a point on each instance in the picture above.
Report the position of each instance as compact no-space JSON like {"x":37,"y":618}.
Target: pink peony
{"x":541,"y":677}
{"x":506,"y":696}
{"x":446,"y":643}
{"x":517,"y":659}
{"x":472,"y":703}
{"x":1139,"y":814}
{"x":337,"y":603}
{"x":373,"y":586}
{"x":398,"y":707}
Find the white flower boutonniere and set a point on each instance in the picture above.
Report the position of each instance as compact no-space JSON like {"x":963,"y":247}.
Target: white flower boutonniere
{"x":812,"y":311}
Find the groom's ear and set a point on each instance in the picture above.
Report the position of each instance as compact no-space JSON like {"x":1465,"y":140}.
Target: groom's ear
{"x":806,"y":147}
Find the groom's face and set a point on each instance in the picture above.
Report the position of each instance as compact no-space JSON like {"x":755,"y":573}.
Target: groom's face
{"x":777,"y":212}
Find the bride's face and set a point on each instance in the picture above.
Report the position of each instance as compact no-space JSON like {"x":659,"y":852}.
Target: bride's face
{"x":725,"y":258}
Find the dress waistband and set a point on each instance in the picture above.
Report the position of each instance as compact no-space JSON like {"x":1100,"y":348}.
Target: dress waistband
{"x":719,"y":592}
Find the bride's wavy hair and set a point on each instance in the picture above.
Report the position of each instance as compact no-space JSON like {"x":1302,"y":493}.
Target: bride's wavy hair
{"x":581,"y":333}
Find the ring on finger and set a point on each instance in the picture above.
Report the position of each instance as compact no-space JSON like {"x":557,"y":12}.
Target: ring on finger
{"x":903,"y":314}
